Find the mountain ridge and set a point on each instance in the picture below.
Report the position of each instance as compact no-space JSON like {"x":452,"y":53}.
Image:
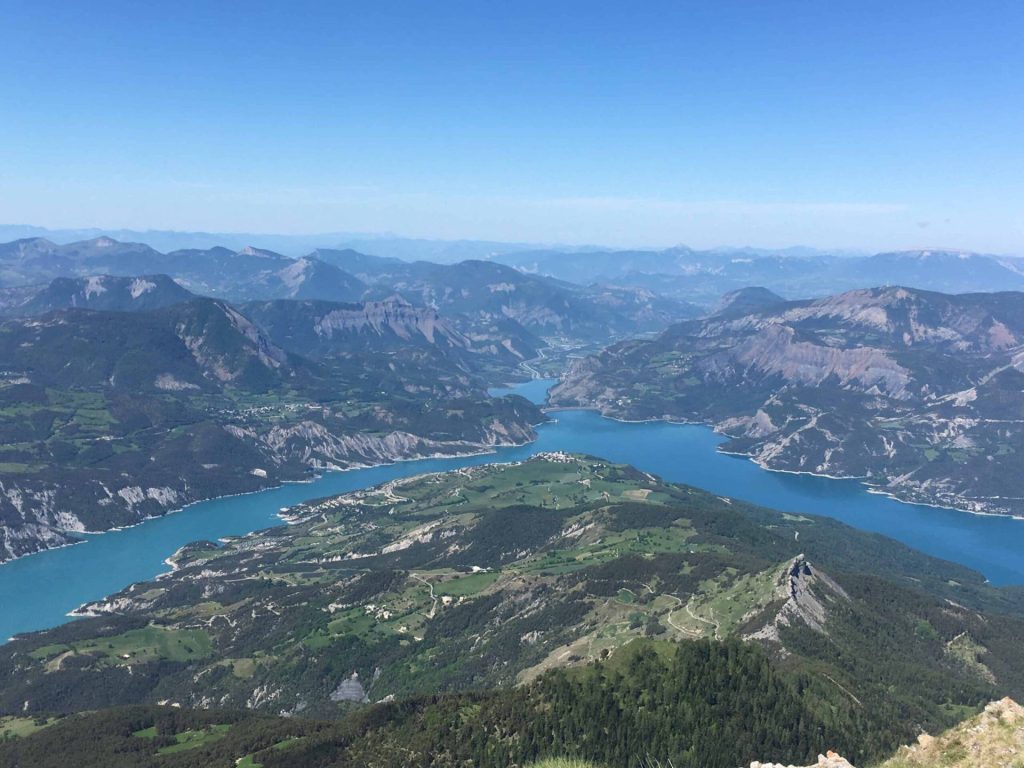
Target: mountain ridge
{"x":481,"y":295}
{"x":908,"y":390}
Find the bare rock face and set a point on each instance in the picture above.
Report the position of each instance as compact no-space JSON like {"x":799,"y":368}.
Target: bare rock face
{"x":776,"y":351}
{"x":807,"y":593}
{"x":350,"y":689}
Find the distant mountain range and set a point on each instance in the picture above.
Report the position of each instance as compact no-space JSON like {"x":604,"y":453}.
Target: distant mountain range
{"x":920,"y":394}
{"x":490,"y":291}
{"x":407,"y":248}
{"x":249,"y":273}
{"x":483,"y":297}
{"x":200,"y":261}
{"x":703,"y":276}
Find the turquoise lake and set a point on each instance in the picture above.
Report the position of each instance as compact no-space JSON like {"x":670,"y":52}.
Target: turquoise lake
{"x":38,"y":591}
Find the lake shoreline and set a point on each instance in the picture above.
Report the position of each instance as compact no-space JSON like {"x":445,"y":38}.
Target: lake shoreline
{"x":313,"y":477}
{"x":41,"y":591}
{"x":872,"y":488}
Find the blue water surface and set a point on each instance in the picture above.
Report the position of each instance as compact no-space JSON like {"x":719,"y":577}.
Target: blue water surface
{"x":38,"y":591}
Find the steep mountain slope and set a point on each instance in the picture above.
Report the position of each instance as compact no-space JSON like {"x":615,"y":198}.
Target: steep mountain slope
{"x":566,"y":575}
{"x":308,"y":278}
{"x":919,"y":393}
{"x":108,"y":417}
{"x":321,"y":329}
{"x":193,"y":345}
{"x":995,"y":737}
{"x":487,"y":291}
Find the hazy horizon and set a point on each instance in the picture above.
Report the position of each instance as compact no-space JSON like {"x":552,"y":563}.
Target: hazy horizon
{"x":331,"y":239}
{"x":869,"y":127}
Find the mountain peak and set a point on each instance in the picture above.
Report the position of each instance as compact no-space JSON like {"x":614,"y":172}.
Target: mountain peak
{"x":261,"y":253}
{"x":806,"y":594}
{"x":746,"y":300}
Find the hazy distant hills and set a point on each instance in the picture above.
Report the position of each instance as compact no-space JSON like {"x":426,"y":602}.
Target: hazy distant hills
{"x":481,"y":296}
{"x":703,"y":276}
{"x":171,"y":240}
{"x":249,"y":273}
{"x":205,"y":262}
{"x":921,"y":393}
{"x":406,"y":248}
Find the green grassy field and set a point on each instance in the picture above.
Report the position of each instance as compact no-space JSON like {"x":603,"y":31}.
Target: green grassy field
{"x":194,"y":739}
{"x":19,"y":727}
{"x":133,"y":647}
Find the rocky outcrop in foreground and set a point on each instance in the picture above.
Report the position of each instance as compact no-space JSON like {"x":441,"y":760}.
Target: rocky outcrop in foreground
{"x":830,"y":760}
{"x":992,"y":739}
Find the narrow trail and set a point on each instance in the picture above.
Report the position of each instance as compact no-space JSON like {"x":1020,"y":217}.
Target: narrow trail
{"x":843,"y":688}
{"x":388,"y":489}
{"x":712,"y":622}
{"x":668,"y":617}
{"x":433,"y":597}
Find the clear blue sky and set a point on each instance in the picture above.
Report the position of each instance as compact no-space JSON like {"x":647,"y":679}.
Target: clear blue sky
{"x":839,"y":124}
